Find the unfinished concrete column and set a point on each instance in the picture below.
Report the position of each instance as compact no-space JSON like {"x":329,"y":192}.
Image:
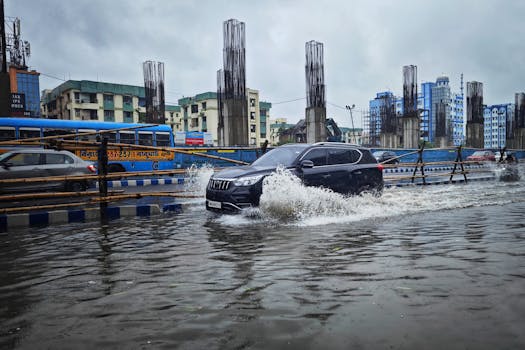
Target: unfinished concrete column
{"x":475,"y":131}
{"x":315,"y":114}
{"x":518,"y":133}
{"x":410,"y":123}
{"x":231,"y":87}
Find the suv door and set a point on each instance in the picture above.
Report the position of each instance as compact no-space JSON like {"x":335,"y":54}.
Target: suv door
{"x":342,"y":170}
{"x":319,"y":175}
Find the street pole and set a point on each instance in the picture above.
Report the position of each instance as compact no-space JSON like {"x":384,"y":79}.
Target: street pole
{"x":351,"y":117}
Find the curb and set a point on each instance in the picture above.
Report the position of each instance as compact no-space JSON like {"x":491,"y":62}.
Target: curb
{"x":440,"y":182}
{"x":46,"y":218}
{"x":409,"y":170}
{"x":143,"y":182}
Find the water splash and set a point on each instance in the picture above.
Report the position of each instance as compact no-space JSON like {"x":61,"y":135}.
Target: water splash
{"x":286,"y":201}
{"x":197,"y":178}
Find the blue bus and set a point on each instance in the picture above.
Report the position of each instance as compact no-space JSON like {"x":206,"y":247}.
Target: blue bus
{"x":120,"y":159}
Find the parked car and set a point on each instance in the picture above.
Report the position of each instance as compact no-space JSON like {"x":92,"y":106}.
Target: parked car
{"x":386,"y":157}
{"x":36,"y":162}
{"x":482,"y":156}
{"x":340,"y":167}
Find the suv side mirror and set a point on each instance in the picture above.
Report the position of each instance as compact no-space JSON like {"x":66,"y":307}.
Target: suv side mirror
{"x":306,"y":164}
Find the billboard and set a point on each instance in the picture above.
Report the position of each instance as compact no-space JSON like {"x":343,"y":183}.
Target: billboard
{"x":18,"y":105}
{"x":193,"y":138}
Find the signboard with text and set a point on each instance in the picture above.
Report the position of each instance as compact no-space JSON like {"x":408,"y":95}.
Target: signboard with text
{"x":18,"y":105}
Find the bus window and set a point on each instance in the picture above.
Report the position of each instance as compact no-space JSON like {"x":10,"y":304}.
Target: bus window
{"x":7,"y":134}
{"x":163,"y":139}
{"x":112,"y":136}
{"x":146,"y":138}
{"x":57,"y":132}
{"x":91,"y":137}
{"x":127,"y":137}
{"x":28,"y":133}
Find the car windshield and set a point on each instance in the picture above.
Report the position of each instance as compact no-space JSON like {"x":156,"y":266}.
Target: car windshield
{"x":479,"y":153}
{"x":378,"y":153}
{"x":280,"y":156}
{"x":4,"y":156}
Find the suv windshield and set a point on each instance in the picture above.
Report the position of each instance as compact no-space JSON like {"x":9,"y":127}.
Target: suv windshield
{"x":280,"y":156}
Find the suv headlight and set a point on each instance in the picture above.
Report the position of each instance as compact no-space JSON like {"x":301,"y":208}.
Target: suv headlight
{"x":247,"y":180}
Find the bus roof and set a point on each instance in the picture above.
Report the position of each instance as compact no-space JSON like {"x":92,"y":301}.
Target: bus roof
{"x":75,"y":124}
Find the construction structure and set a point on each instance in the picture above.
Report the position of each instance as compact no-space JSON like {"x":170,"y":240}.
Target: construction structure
{"x":518,"y":133}
{"x":388,"y":121}
{"x":410,"y":120}
{"x":315,"y":113}
{"x":231,"y":87}
{"x":5,"y":88}
{"x":475,"y":128}
{"x":154,"y":90}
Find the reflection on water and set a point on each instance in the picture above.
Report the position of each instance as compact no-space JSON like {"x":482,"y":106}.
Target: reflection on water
{"x":434,"y":267}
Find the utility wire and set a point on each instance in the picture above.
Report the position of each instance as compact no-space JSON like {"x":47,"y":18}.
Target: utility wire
{"x":297,"y":99}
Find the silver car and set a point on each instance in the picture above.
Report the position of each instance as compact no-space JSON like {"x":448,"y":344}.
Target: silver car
{"x":36,"y":162}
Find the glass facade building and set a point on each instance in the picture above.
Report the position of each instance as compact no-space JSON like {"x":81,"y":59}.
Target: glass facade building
{"x":27,"y":83}
{"x":431,"y":94}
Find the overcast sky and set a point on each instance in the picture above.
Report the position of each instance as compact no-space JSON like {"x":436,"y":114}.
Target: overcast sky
{"x":366,"y":44}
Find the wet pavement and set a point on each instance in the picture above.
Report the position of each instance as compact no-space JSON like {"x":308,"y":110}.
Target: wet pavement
{"x":438,"y":267}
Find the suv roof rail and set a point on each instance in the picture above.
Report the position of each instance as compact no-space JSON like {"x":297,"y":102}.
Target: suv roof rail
{"x":323,"y":143}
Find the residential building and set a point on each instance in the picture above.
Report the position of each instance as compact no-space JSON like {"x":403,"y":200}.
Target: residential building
{"x":495,"y":120}
{"x":353,"y":136}
{"x":91,"y":100}
{"x":25,"y":91}
{"x":200,"y":113}
{"x":277,"y":126}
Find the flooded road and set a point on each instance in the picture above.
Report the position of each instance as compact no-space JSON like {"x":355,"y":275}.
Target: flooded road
{"x":436,"y":267}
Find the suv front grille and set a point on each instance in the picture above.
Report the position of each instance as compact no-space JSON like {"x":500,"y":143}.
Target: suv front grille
{"x":218,"y":184}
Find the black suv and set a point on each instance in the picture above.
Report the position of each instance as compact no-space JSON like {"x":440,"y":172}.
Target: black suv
{"x":341,"y":167}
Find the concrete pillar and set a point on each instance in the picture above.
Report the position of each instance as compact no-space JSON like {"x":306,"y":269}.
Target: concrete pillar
{"x":315,"y":124}
{"x":389,"y":140}
{"x":235,"y":122}
{"x":410,"y":132}
{"x":475,"y":138}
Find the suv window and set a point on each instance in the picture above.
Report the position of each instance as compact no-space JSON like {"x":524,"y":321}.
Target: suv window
{"x":317,"y":156}
{"x":343,"y":156}
{"x":21,"y":159}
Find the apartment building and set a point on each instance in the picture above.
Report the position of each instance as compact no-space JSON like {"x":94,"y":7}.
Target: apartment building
{"x":91,"y":100}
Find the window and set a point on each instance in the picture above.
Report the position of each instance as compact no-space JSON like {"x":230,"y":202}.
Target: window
{"x":58,"y":159}
{"x":28,"y":133}
{"x":146,"y":139}
{"x":127,"y":99}
{"x":252,"y":102}
{"x":163,"y":139}
{"x":57,"y":132}
{"x":252,"y":128}
{"x":317,"y":156}
{"x":127,"y":137}
{"x":90,"y":137}
{"x":128,"y":117}
{"x":339,"y":156}
{"x":194,"y":108}
{"x":25,"y":159}
{"x":109,"y":115}
{"x":252,"y":115}
{"x":7,"y":134}
{"x":203,"y":106}
{"x":111,"y":136}
{"x":108,"y":98}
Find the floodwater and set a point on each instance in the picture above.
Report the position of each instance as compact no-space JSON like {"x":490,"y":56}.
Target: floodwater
{"x":435,"y":267}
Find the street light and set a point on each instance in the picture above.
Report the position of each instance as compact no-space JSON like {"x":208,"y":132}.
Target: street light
{"x":351,"y":117}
